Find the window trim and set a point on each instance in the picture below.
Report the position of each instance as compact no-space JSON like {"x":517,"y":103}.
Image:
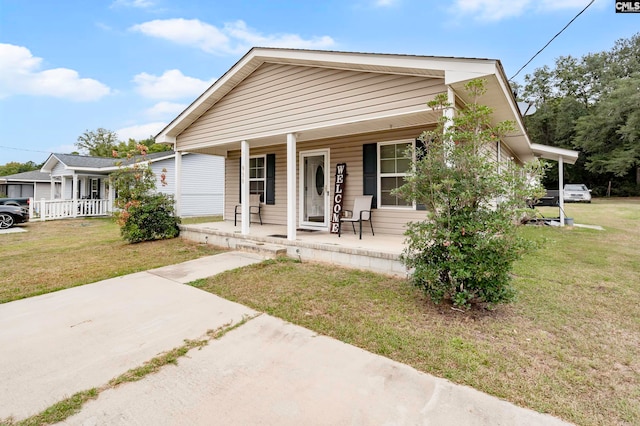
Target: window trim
{"x":263,"y":179}
{"x":380,"y":175}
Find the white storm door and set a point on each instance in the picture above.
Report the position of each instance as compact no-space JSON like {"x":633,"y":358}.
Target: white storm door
{"x":314,"y":185}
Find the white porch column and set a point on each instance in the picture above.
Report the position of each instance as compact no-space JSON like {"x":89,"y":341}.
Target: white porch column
{"x":63,"y":187}
{"x":448,"y":113}
{"x":112,"y":197}
{"x":244,"y":186}
{"x":291,"y":187}
{"x":74,"y":195}
{"x":53,"y":188}
{"x":177,"y":196}
{"x":561,"y":188}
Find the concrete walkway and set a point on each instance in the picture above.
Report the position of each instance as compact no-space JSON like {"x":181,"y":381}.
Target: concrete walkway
{"x":265,"y":372}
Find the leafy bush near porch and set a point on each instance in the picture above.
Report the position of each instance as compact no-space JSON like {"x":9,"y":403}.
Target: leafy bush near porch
{"x":150,"y":218}
{"x":464,"y":249}
{"x":144,"y":215}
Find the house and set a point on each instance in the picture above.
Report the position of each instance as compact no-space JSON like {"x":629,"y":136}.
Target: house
{"x":285,"y":119}
{"x":86,"y":178}
{"x":33,"y":184}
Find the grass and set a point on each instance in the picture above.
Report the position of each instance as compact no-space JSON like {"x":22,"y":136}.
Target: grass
{"x":200,"y":219}
{"x":568,"y":346}
{"x":66,"y":253}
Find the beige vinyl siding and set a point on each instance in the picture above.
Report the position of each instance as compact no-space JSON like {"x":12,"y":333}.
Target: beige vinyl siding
{"x":342,"y":150}
{"x":277,"y":99}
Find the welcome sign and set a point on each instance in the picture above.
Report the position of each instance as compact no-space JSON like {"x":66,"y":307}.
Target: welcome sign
{"x":338,"y":196}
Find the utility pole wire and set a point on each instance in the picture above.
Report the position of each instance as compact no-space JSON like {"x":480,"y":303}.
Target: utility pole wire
{"x":554,"y":37}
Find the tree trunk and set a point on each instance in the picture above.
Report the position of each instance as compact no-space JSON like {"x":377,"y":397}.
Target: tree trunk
{"x":638,"y":175}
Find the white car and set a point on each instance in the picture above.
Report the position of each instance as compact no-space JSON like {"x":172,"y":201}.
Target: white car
{"x":577,"y":193}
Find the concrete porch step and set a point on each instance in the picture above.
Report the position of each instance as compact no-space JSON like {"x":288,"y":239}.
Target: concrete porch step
{"x":268,"y":250}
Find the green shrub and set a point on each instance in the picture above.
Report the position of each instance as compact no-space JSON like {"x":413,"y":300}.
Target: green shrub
{"x":464,"y":248}
{"x":144,"y":214}
{"x":150,"y":218}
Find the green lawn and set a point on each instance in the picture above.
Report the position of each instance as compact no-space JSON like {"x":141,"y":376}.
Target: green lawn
{"x":569,"y":346}
{"x":66,"y":253}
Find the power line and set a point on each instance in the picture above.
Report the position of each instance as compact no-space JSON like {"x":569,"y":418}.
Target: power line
{"x":553,"y":38}
{"x":24,"y":149}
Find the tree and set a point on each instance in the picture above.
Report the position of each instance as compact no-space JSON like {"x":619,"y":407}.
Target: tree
{"x":99,"y":143}
{"x":123,"y":148}
{"x":14,"y":167}
{"x":105,"y":143}
{"x":464,"y":249}
{"x":610,"y":132}
{"x":575,"y":95}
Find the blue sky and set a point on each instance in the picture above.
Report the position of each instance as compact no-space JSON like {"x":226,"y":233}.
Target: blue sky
{"x":131,"y":66}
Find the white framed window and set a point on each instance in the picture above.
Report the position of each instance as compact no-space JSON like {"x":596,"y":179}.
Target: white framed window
{"x":394,"y":163}
{"x":257,"y":176}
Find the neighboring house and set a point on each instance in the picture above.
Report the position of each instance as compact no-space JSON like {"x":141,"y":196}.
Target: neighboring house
{"x":288,"y":117}
{"x":34,"y":184}
{"x":80,"y":177}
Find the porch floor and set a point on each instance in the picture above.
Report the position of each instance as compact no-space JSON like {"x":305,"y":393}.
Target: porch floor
{"x":379,"y":253}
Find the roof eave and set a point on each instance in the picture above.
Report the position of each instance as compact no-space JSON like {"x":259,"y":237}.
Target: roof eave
{"x":554,"y":153}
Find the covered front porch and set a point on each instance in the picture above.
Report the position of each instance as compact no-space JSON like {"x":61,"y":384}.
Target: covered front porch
{"x":379,"y":253}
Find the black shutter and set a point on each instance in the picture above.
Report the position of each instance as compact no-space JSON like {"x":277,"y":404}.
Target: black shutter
{"x":420,"y":150}
{"x":370,"y":171}
{"x":240,"y":180}
{"x":270,"y":189}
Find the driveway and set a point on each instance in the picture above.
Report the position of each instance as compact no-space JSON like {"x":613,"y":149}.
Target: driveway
{"x":265,"y":371}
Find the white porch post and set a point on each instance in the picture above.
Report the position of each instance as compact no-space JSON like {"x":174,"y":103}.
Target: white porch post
{"x":63,"y":188}
{"x":448,"y":113}
{"x":291,"y":187}
{"x":178,"y":179}
{"x":53,"y":188}
{"x":74,"y":195}
{"x":244,"y":186}
{"x":112,"y":197}
{"x":561,"y":188}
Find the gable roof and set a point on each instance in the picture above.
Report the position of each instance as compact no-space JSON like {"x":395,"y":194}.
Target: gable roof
{"x":454,"y":71}
{"x":421,"y":66}
{"x":98,"y":164}
{"x":32,"y":176}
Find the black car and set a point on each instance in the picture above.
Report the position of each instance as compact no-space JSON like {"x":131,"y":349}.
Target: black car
{"x":12,"y":215}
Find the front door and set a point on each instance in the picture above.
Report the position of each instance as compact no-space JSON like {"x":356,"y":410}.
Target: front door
{"x":314,"y":189}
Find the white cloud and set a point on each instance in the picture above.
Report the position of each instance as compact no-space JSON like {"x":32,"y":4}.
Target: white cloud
{"x":233,"y":38}
{"x":190,"y":32}
{"x":20,"y":74}
{"x":385,"y":3}
{"x":140,"y":4}
{"x":63,"y":149}
{"x":491,"y":10}
{"x":170,"y":85}
{"x":249,"y":37}
{"x":164,"y":109}
{"x":141,"y":131}
{"x":496,"y":10}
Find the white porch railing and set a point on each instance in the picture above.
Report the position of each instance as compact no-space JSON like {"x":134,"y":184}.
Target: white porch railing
{"x":64,"y":209}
